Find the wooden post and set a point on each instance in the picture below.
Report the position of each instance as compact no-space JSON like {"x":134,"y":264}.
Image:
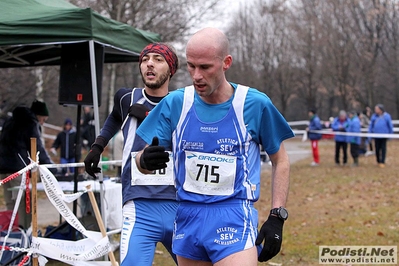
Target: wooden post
{"x":100,"y":222}
{"x":33,"y":151}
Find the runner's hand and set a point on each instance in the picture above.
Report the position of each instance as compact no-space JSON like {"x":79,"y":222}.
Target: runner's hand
{"x":93,"y":157}
{"x":91,"y":161}
{"x":272,"y":232}
{"x":154,"y":157}
{"x":139,"y":111}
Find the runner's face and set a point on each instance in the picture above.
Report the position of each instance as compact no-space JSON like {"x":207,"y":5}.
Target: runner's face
{"x":206,"y":69}
{"x":154,"y":70}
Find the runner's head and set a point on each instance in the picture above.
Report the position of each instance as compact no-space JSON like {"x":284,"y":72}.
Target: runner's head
{"x":208,"y":59}
{"x":158,"y":62}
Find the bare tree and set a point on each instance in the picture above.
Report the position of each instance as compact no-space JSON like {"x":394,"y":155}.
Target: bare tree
{"x":390,"y":49}
{"x":369,"y":18}
{"x":338,"y":55}
{"x":308,"y":32}
{"x":174,"y":20}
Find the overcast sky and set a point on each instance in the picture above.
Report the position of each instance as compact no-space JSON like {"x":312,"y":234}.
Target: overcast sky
{"x":228,"y":8}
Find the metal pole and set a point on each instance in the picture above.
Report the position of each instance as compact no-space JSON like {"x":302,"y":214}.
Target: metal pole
{"x":96,"y":116}
{"x":77,"y":150}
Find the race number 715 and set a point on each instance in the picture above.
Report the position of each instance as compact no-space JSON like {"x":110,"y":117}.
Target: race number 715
{"x":211,"y":175}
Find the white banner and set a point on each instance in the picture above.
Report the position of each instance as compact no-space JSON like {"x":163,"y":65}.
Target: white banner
{"x":73,"y":253}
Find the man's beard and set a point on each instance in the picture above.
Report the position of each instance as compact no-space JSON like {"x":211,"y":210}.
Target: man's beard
{"x":158,"y":83}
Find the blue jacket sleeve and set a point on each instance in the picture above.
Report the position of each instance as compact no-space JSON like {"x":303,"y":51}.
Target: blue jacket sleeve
{"x":119,"y":112}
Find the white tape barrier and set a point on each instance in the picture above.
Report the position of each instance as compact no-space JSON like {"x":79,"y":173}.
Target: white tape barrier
{"x":355,"y":134}
{"x":328,"y":132}
{"x":79,"y":164}
{"x":306,"y":122}
{"x":70,"y":252}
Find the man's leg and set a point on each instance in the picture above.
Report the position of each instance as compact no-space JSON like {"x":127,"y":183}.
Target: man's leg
{"x":377,"y":144}
{"x":188,"y":262}
{"x":168,"y":215}
{"x":355,"y":153}
{"x":337,"y":147}
{"x":383,"y":150}
{"x":71,"y":169}
{"x":345,"y":151}
{"x":248,"y":257}
{"x":315,"y":151}
{"x":64,"y":169}
{"x":140,"y":233}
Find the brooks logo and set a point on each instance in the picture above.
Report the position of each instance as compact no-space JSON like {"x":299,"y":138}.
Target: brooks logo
{"x":191,"y":156}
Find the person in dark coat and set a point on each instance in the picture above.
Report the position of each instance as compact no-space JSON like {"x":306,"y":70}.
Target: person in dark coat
{"x":66,"y":140}
{"x":87,"y":126}
{"x":15,"y":147}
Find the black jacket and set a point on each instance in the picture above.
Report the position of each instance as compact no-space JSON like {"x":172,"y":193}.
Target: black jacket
{"x":15,"y":141}
{"x":66,"y":141}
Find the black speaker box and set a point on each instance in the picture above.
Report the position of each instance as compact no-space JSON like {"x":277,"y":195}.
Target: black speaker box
{"x":75,"y":74}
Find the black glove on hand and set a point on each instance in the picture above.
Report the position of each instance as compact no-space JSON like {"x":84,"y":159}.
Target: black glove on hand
{"x":154,"y":157}
{"x":93,"y":157}
{"x":139,"y":111}
{"x":272,"y":232}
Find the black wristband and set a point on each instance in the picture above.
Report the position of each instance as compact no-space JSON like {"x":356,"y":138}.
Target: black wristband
{"x":100,"y":142}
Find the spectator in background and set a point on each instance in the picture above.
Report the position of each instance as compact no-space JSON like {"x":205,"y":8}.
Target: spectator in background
{"x":354,"y":141}
{"x":340,"y":124}
{"x":88,"y":129}
{"x":364,"y":123}
{"x":15,"y":147}
{"x":314,"y":124}
{"x":380,"y":123}
{"x":66,"y":141}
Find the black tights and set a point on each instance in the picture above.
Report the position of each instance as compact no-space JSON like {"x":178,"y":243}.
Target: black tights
{"x":380,"y":149}
{"x":338,"y":146}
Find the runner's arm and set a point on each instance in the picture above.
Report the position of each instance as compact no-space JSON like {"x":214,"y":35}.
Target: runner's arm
{"x":280,"y":177}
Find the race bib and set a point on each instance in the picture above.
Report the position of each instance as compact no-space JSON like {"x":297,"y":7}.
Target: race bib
{"x":159,"y":177}
{"x":210,"y":174}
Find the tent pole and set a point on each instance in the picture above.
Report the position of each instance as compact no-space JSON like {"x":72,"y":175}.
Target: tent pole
{"x":33,"y":151}
{"x":96,"y":117}
{"x":77,"y":157}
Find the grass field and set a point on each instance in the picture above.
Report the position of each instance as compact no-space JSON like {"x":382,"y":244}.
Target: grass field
{"x":331,"y":205}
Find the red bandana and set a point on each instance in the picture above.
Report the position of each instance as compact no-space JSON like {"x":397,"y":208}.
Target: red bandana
{"x":165,"y":51}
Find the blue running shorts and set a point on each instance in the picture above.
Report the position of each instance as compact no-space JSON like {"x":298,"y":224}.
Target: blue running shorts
{"x":211,"y":232}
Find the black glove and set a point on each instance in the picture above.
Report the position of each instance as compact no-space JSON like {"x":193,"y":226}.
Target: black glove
{"x":93,"y":157}
{"x":154,"y":157}
{"x":139,"y":111}
{"x":272,"y":232}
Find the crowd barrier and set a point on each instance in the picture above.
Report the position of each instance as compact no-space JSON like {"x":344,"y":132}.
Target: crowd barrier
{"x":81,"y":252}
